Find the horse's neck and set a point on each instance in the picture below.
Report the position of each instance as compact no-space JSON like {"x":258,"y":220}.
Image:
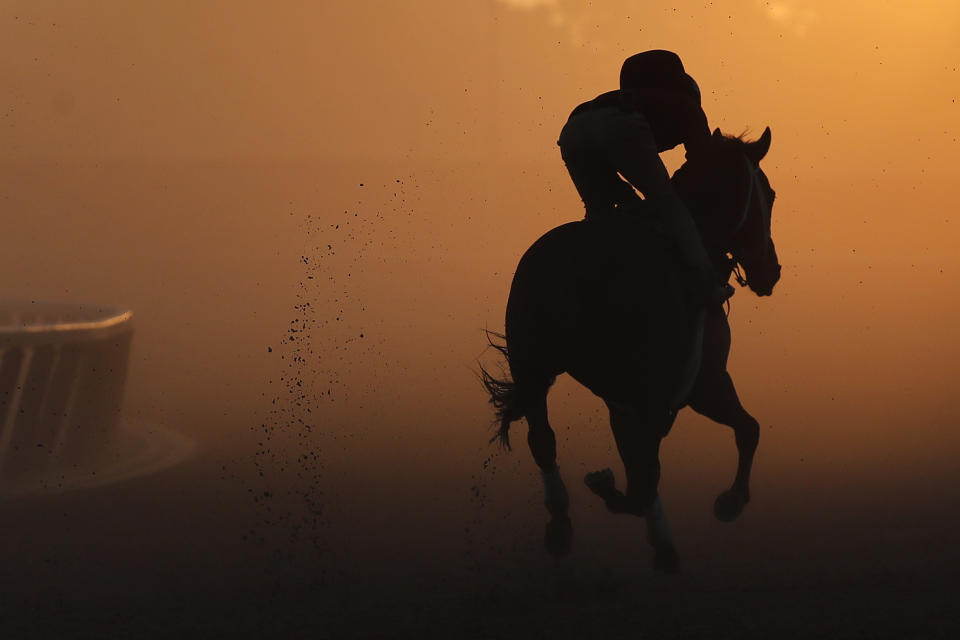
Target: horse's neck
{"x":716,"y":248}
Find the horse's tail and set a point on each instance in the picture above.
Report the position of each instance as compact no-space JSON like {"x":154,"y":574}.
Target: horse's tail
{"x":505,"y":395}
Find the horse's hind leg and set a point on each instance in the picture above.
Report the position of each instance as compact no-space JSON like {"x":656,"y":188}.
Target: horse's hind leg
{"x":543,"y":446}
{"x":720,"y":403}
{"x":638,"y":439}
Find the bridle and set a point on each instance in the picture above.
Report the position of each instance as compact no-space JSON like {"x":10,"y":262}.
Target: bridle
{"x":753,"y":172}
{"x":753,"y":192}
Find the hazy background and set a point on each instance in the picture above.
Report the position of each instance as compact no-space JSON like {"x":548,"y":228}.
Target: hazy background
{"x":367,"y":175}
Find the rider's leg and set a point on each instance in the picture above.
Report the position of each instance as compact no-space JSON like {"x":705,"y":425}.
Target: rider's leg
{"x":584,"y":148}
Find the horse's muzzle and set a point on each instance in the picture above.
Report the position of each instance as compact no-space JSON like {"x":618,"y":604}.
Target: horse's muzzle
{"x":762,"y":284}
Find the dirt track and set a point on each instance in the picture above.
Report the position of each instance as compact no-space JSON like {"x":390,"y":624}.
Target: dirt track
{"x":165,"y":556}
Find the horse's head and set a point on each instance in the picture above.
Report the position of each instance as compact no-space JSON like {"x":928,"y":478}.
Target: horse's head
{"x":731,"y":200}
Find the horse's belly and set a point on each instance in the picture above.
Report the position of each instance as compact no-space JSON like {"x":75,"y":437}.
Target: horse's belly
{"x":630,"y":343}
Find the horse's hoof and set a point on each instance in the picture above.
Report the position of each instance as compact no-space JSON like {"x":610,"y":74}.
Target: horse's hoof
{"x":558,"y":538}
{"x":728,"y":506}
{"x":665,"y":559}
{"x":601,"y":483}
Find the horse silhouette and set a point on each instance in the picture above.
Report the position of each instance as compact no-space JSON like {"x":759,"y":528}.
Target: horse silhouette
{"x":607,"y":302}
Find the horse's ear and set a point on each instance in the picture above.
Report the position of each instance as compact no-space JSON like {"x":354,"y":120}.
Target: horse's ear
{"x":756,"y":150}
{"x":716,"y":133}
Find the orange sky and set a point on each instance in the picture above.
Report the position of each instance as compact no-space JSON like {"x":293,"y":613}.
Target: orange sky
{"x":166,"y":155}
{"x":441,"y":79}
{"x":861,"y":91}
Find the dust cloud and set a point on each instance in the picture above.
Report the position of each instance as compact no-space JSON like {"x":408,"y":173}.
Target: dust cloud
{"x":315,"y":211}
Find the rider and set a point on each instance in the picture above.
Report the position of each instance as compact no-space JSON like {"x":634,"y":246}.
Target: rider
{"x":623,"y":132}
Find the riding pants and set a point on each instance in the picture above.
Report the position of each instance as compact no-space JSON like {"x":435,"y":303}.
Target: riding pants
{"x":609,"y":152}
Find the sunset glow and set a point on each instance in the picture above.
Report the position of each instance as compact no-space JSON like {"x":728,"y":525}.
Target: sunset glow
{"x":321,"y":205}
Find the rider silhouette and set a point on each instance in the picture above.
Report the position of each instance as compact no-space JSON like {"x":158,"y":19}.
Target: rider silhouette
{"x":611,"y":145}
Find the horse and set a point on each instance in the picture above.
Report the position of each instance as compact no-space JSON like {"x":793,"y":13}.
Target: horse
{"x":607,"y":302}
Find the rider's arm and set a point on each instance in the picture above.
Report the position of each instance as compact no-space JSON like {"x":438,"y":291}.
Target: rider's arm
{"x":638,"y":159}
{"x":640,"y":164}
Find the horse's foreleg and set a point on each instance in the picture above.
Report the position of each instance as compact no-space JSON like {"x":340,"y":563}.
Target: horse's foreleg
{"x":638,"y":441}
{"x":720,"y":403}
{"x":543,"y":446}
{"x":660,"y":538}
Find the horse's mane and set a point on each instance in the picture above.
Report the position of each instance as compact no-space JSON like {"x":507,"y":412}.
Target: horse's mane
{"x":741,"y":138}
